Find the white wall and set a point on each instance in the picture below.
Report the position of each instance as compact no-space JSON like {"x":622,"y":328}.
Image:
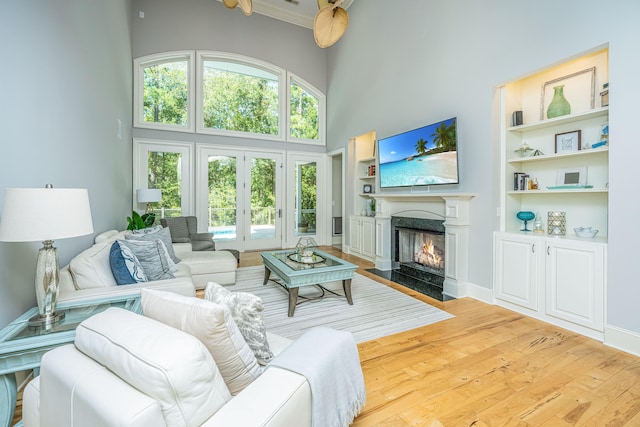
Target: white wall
{"x":398,"y":68}
{"x":66,"y":80}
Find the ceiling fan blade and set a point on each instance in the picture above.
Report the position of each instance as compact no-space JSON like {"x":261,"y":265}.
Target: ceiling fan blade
{"x":329,"y":25}
{"x":230,"y":3}
{"x":246,"y":6}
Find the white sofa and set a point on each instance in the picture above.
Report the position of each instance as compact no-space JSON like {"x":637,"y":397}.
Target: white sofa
{"x":73,"y":389}
{"x":89,"y":275}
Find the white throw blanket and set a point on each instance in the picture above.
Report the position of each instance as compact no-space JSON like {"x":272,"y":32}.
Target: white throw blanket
{"x":329,"y":360}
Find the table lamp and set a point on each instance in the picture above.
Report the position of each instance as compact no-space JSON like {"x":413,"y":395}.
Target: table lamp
{"x":44,"y":215}
{"x":148,"y":196}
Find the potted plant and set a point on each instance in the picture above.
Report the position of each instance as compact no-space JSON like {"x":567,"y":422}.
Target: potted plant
{"x":137,"y":221}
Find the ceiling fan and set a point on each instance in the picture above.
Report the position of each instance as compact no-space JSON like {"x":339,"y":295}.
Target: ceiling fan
{"x":330,"y":22}
{"x":245,"y":5}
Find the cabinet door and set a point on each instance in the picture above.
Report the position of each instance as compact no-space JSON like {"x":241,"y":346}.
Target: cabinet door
{"x":368,"y":237}
{"x":355,"y":235}
{"x":575,"y":282}
{"x":516,"y":269}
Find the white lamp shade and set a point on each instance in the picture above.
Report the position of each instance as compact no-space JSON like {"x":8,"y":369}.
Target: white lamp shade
{"x":39,"y":214}
{"x":149,"y":195}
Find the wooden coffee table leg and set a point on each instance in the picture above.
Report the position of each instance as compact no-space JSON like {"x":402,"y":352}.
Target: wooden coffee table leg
{"x":293,"y":300}
{"x":267,"y":274}
{"x":346,"y":286}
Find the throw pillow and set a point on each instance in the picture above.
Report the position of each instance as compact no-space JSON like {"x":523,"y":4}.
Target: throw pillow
{"x":160,"y":233}
{"x":147,"y":230}
{"x":125,"y":265}
{"x":153,"y":257}
{"x":165,"y":363}
{"x":246,"y":309}
{"x":213,"y":325}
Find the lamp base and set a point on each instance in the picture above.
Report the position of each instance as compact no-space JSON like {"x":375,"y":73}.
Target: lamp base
{"x":46,"y":320}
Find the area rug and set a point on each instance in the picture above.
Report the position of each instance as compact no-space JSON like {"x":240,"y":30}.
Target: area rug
{"x":377,"y":310}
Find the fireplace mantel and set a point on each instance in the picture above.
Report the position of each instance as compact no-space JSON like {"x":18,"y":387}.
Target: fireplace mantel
{"x":456,"y":215}
{"x":420,"y":196}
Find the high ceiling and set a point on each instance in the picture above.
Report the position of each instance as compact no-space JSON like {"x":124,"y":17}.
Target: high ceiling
{"x":298,"y":12}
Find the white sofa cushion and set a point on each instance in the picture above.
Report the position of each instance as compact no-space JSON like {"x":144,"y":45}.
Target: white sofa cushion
{"x":91,"y":268}
{"x":213,"y":325}
{"x":173,"y":367}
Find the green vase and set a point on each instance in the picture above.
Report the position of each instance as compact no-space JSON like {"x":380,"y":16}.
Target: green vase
{"x":559,"y":105}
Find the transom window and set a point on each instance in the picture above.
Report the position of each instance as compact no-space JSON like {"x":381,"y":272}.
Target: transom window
{"x":234,"y":95}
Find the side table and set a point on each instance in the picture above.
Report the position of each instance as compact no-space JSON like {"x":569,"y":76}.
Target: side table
{"x":22,"y":346}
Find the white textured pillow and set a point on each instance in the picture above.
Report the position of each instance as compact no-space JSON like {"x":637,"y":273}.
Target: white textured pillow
{"x":246,"y":309}
{"x":213,"y":325}
{"x":163,"y":362}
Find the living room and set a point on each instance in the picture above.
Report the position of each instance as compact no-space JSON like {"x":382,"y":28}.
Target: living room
{"x":396,"y":68}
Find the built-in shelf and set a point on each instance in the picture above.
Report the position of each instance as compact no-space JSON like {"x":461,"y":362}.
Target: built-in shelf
{"x":543,"y":158}
{"x":564,"y":190}
{"x":569,"y":118}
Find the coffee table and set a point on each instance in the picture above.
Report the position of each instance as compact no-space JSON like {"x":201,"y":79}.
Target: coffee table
{"x":22,"y":346}
{"x":294,"y":274}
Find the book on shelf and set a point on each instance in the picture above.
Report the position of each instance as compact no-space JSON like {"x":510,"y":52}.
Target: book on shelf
{"x":372,"y":170}
{"x":520,"y":181}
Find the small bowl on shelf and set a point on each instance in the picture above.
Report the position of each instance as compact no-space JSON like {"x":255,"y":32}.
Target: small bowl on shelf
{"x":585,"y":232}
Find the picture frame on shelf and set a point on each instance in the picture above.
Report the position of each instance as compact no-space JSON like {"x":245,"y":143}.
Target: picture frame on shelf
{"x":580,"y":91}
{"x":572,"y":177}
{"x":367,"y":189}
{"x":568,"y":142}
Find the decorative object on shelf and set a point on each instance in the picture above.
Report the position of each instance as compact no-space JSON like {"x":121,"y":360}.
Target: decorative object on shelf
{"x":585,"y":232}
{"x":579,"y":82}
{"x":44,"y":215}
{"x":556,"y":223}
{"x":525,"y":216}
{"x":367,"y":189}
{"x":372,"y":207}
{"x":516,"y":118}
{"x":604,"y":95}
{"x":524,"y":150}
{"x":604,"y":136}
{"x":559,"y":105}
{"x":572,"y":177}
{"x":568,"y":142}
{"x":305,"y":250}
{"x":537,"y":153}
{"x":538,"y":225}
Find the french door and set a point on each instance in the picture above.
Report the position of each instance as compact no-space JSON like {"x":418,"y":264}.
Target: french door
{"x":238,"y":197}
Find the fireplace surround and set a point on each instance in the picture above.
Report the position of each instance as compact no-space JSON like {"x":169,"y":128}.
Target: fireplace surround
{"x":451,"y":212}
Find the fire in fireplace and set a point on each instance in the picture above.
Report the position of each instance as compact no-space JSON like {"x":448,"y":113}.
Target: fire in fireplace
{"x":419,"y":254}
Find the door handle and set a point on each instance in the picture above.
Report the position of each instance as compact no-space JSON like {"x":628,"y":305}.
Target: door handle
{"x":279,"y":213}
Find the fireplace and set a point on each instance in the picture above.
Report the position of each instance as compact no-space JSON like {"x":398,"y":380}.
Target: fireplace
{"x":418,"y":254}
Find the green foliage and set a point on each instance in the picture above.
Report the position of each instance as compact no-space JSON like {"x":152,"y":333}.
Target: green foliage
{"x":303,"y":114}
{"x":240,"y":102}
{"x":164,"y":173}
{"x":444,"y":138}
{"x":166,"y":92}
{"x":138,"y":222}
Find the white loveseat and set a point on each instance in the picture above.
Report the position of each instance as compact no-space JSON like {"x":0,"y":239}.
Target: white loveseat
{"x":150,"y":374}
{"x":89,"y":274}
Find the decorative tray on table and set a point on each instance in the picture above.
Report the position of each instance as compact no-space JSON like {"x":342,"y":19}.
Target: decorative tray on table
{"x":302,"y":259}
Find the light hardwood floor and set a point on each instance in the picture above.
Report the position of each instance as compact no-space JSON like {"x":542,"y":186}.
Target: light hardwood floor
{"x":489,"y":366}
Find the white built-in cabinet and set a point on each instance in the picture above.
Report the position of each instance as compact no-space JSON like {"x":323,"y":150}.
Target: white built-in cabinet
{"x":362,"y":235}
{"x":558,"y":279}
{"x":553,"y":279}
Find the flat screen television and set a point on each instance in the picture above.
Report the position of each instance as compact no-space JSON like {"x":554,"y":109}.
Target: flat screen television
{"x":420,"y":157}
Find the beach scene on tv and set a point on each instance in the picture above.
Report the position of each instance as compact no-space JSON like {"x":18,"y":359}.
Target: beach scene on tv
{"x":423,"y":156}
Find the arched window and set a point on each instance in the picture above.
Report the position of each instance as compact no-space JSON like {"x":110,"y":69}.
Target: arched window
{"x":163,"y":92}
{"x":227,"y":94}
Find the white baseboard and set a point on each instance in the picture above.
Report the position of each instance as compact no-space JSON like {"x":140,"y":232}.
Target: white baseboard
{"x":622,"y":339}
{"x":480,"y":293}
